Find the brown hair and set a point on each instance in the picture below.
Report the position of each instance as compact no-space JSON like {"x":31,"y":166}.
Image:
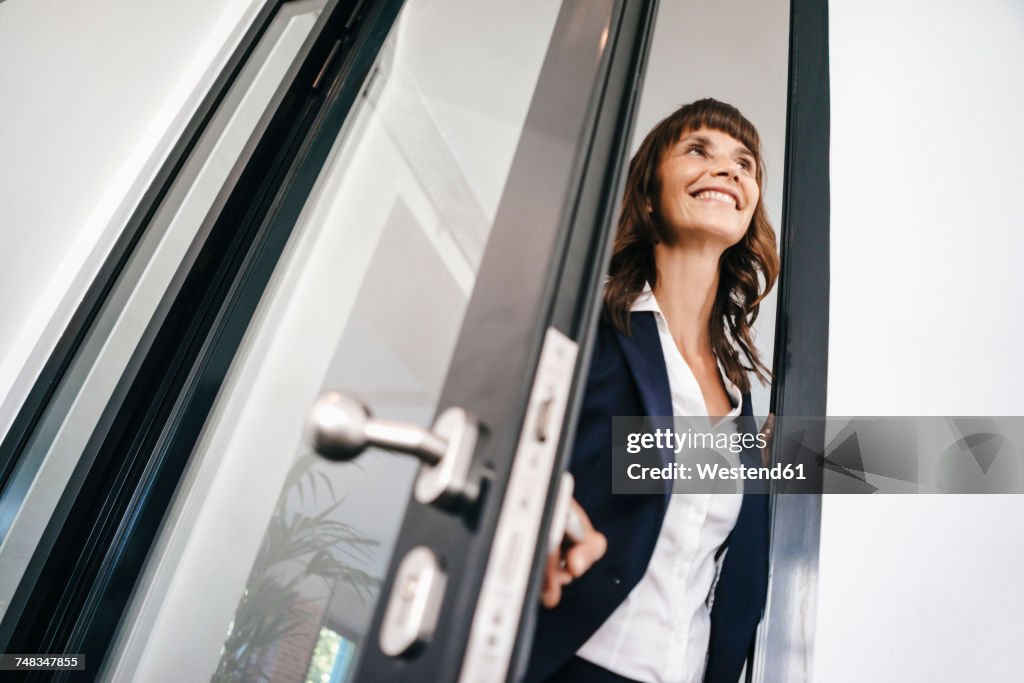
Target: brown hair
{"x":739,"y":288}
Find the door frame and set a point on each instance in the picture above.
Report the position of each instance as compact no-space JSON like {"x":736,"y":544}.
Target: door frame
{"x":784,"y":648}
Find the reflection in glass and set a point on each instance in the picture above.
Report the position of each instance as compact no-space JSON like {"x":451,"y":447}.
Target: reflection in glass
{"x":305,"y":553}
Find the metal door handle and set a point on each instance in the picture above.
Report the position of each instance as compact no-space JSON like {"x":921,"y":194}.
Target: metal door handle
{"x":341,"y":427}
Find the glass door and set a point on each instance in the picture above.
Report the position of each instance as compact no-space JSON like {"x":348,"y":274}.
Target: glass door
{"x":442,"y":272}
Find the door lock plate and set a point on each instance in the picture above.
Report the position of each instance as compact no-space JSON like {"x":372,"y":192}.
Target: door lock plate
{"x":498,"y":610}
{"x":411,"y":615}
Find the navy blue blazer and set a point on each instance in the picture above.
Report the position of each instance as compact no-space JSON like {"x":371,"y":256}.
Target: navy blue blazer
{"x":628,"y":377}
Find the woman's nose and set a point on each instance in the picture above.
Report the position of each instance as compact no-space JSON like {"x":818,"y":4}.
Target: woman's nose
{"x":726,"y":169}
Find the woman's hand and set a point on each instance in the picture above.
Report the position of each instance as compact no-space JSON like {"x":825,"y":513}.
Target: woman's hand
{"x":581,"y":555}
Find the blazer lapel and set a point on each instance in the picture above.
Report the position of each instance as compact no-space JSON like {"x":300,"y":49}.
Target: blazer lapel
{"x":646,"y":363}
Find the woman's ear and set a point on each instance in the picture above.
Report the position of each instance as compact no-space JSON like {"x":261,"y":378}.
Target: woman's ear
{"x":647,"y":205}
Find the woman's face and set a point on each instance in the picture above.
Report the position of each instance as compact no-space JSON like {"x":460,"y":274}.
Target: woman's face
{"x":708,"y":187}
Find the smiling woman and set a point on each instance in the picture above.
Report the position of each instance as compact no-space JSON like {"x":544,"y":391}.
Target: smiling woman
{"x":704,"y":146}
{"x":694,"y":256}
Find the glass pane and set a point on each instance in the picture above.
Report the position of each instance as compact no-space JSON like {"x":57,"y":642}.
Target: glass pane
{"x":49,"y":459}
{"x":270,"y":563}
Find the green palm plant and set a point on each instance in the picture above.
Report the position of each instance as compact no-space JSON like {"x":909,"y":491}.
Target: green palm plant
{"x":296,"y":547}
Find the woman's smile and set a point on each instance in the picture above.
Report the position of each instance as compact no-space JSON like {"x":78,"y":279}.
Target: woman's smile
{"x":718,"y":195}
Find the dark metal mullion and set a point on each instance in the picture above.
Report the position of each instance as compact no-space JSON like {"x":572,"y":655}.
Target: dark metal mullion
{"x":53,"y":371}
{"x":801,"y":351}
{"x":785,"y":646}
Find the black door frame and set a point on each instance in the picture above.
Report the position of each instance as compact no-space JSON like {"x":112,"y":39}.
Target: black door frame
{"x":784,"y":649}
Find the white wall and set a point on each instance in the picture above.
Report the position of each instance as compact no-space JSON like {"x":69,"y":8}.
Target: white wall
{"x":94,"y":92}
{"x":927,"y":162}
{"x":736,"y":51}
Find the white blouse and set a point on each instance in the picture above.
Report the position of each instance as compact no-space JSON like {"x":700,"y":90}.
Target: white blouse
{"x":660,"y":633}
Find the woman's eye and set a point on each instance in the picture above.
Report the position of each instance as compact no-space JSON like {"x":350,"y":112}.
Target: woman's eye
{"x":695,"y":149}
